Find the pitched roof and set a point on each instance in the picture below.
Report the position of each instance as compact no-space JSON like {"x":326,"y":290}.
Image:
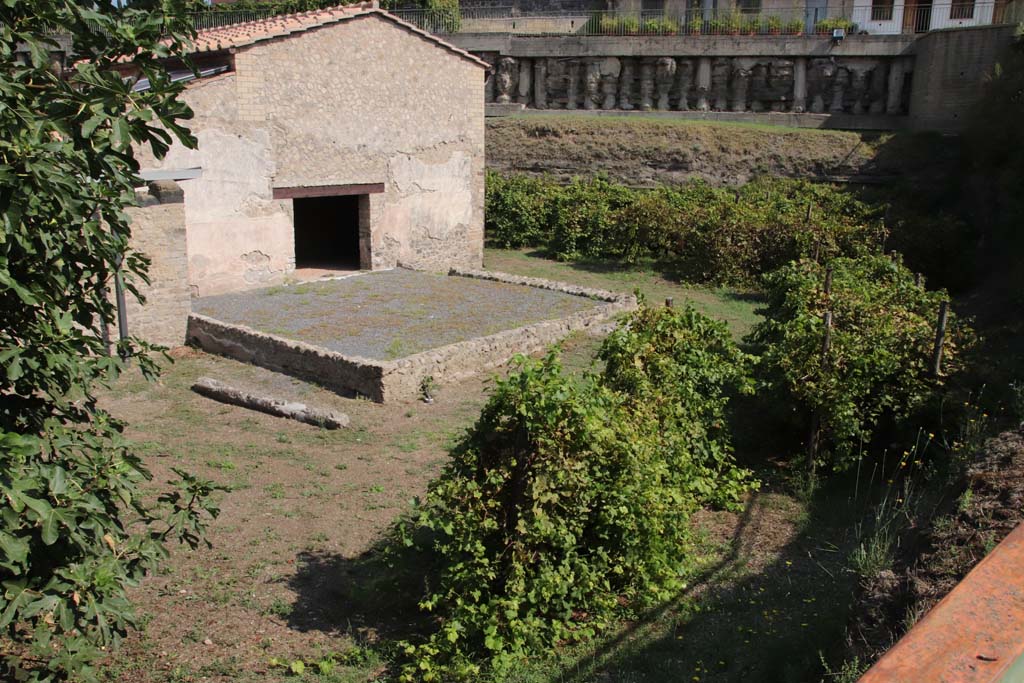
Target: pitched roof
{"x":284,"y":25}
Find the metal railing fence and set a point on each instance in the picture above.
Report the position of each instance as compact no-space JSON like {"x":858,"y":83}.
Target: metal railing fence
{"x":793,"y":20}
{"x":880,"y":17}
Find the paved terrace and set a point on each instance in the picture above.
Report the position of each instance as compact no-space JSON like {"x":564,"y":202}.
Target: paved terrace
{"x":390,"y":314}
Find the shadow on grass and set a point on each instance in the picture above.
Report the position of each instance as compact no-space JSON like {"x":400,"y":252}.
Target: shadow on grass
{"x":371,"y":598}
{"x":775,"y":597}
{"x":738,"y":622}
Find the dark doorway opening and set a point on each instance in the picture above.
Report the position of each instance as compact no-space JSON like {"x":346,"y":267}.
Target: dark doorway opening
{"x":327,"y":232}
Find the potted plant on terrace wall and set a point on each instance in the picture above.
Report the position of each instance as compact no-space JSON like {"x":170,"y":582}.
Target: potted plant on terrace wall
{"x":774,"y":25}
{"x":826,"y":26}
{"x":794,"y":27}
{"x":733,"y":23}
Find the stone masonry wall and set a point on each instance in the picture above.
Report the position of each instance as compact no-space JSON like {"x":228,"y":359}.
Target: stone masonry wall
{"x":362,"y":101}
{"x":158,"y":231}
{"x":855,"y":85}
{"x":239,"y":237}
{"x":396,"y":110}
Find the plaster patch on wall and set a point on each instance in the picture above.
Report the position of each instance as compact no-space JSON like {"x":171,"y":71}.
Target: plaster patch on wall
{"x":257,"y":267}
{"x":432,"y":200}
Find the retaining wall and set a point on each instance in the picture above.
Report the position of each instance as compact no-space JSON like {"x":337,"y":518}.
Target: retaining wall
{"x":952,"y":68}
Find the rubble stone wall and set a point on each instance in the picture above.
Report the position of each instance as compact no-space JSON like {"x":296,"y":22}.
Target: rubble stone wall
{"x":364,"y":101}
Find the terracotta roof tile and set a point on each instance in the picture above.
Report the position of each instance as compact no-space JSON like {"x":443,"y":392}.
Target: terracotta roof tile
{"x":239,"y":35}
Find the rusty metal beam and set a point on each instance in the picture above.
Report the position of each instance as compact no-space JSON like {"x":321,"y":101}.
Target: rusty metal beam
{"x":974,"y":635}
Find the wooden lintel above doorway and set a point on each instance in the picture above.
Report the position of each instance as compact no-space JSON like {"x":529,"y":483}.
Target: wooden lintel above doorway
{"x":327,"y":190}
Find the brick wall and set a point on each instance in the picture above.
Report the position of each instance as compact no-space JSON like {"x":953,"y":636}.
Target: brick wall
{"x":158,"y":231}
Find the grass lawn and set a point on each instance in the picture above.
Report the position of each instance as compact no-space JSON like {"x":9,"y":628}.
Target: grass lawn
{"x":735,"y":308}
{"x":293,"y":574}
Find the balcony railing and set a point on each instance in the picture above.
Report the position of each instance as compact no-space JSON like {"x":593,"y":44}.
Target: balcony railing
{"x":877,"y":18}
{"x":874,"y":17}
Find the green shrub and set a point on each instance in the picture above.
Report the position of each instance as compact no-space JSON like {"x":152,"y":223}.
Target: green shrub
{"x":705,"y":234}
{"x":794,"y":26}
{"x":572,"y":496}
{"x":585,"y":217}
{"x":936,"y":242}
{"x":518,"y":210}
{"x":612,"y":25}
{"x":878,"y":363}
{"x":831,"y":23}
{"x":661,"y":26}
{"x":677,"y":367}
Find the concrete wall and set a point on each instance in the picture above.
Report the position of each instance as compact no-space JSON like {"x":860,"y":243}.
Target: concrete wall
{"x":363,"y":101}
{"x":683,"y":46}
{"x":950,"y":73}
{"x":158,"y":231}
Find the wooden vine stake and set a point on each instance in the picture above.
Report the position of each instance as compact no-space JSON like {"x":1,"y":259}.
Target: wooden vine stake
{"x":940,"y":338}
{"x":814,"y":437}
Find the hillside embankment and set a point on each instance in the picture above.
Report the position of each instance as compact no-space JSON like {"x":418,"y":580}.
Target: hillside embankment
{"x":646,"y":152}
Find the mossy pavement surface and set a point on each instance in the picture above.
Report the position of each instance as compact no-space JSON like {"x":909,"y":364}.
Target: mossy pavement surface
{"x":390,"y":314}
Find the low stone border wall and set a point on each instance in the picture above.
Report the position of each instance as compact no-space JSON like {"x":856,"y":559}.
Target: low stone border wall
{"x":402,"y":379}
{"x":344,"y":374}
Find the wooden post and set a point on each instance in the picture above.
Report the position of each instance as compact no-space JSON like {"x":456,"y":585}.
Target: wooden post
{"x":917,"y":279}
{"x":807,"y":220}
{"x":826,"y":342}
{"x":828,"y":282}
{"x":669,"y":301}
{"x":814,"y":435}
{"x":940,"y":337}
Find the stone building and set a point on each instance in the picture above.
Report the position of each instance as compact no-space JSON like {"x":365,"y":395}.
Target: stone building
{"x":338,"y":139}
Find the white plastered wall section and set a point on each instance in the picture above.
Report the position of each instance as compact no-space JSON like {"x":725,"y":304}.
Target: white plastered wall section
{"x":237,"y":235}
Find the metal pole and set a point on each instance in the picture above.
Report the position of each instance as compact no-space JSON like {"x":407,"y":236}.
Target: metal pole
{"x":122,"y":313}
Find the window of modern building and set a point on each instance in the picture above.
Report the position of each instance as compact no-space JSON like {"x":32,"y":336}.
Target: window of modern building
{"x":881,"y":10}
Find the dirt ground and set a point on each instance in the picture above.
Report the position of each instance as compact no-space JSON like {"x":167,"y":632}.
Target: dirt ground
{"x":647,"y":152}
{"x":294,"y":573}
{"x":937,"y":556}
{"x":303,"y":505}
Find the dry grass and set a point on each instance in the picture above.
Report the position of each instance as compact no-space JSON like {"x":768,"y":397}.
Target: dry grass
{"x":646,"y":152}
